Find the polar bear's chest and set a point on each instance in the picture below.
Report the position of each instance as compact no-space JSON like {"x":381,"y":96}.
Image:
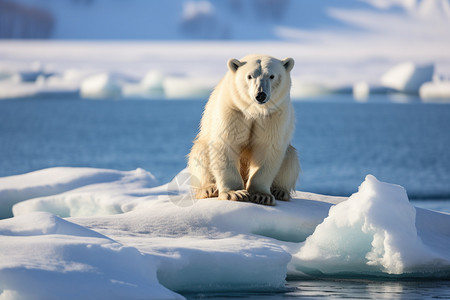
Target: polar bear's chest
{"x":256,"y":132}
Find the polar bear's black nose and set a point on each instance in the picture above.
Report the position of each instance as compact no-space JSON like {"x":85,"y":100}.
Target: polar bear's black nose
{"x":261,"y":97}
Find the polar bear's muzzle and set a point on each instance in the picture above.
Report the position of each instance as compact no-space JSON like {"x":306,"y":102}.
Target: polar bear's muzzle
{"x":262,"y":91}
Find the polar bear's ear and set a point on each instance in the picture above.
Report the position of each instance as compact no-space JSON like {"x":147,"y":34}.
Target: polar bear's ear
{"x":288,"y":63}
{"x":234,"y":64}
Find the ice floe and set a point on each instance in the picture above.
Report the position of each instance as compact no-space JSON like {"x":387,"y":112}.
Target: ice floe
{"x":45,"y":257}
{"x":166,"y":237}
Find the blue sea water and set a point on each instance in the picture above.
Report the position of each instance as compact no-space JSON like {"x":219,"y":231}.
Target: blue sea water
{"x":346,"y":289}
{"x":339,"y":142}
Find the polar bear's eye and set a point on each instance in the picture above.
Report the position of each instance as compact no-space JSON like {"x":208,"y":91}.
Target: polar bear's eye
{"x":249,"y":77}
{"x":272,"y":76}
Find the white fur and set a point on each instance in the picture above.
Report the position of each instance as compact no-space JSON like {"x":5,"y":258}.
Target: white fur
{"x":243,"y":150}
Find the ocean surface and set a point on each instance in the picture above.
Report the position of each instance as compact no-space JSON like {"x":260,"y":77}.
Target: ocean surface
{"x":339,"y":141}
{"x":346,"y":289}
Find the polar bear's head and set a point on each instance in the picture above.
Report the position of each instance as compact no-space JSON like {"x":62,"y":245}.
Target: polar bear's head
{"x":261,"y":82}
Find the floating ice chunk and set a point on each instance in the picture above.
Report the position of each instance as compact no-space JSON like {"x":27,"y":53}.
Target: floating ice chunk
{"x":13,"y":88}
{"x":437,"y":89}
{"x":19,"y":84}
{"x":153,"y":81}
{"x":373,"y":231}
{"x":407,"y":77}
{"x":361,"y":90}
{"x":104,"y":85}
{"x":151,"y":86}
{"x":60,"y":82}
{"x":38,"y":83}
{"x":302,"y":89}
{"x":45,"y":257}
{"x":186,"y":87}
{"x":40,"y":88}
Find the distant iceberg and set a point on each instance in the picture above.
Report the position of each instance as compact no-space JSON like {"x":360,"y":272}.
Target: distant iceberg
{"x":170,"y":240}
{"x":101,"y":86}
{"x":407,"y":77}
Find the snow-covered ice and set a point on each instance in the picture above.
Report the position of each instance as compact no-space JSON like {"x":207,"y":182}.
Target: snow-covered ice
{"x":170,"y":240}
{"x":45,"y":257}
{"x":57,"y":181}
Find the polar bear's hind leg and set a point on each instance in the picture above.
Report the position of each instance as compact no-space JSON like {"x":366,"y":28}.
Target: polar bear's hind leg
{"x":286,"y":178}
{"x":202,"y":181}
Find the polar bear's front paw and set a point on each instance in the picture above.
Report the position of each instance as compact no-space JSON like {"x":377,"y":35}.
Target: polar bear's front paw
{"x":280,"y":194}
{"x":207,"y":192}
{"x":239,"y":195}
{"x":262,"y":198}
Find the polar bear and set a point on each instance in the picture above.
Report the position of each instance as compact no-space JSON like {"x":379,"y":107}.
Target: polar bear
{"x":242,"y":151}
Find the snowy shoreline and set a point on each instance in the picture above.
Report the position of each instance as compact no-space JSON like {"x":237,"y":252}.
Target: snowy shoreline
{"x":170,"y":240}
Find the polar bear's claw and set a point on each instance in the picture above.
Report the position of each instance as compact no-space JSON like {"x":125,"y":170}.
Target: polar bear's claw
{"x":207,"y":192}
{"x":280,"y":194}
{"x":262,"y":198}
{"x":239,"y":195}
